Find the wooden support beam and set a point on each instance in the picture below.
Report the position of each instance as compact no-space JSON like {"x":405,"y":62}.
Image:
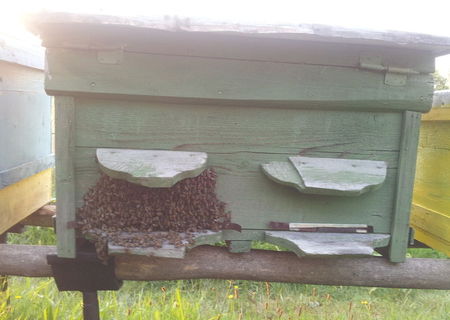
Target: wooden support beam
{"x":258,"y":265}
{"x":41,"y":217}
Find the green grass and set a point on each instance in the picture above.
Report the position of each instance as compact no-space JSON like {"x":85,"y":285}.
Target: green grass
{"x":216,"y":299}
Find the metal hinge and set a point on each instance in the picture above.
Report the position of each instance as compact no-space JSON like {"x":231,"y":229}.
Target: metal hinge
{"x":394,"y":76}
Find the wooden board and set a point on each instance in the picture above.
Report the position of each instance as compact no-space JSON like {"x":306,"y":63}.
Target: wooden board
{"x":19,"y":200}
{"x":122,"y":39}
{"x":151,"y":168}
{"x":25,"y":129}
{"x":404,"y":189}
{"x":15,"y":174}
{"x":194,"y":79}
{"x":21,"y":52}
{"x":65,"y":175}
{"x":328,"y":176}
{"x":238,"y":140}
{"x":320,"y":33}
{"x":167,"y":250}
{"x":431,"y":202}
{"x":328,"y":244}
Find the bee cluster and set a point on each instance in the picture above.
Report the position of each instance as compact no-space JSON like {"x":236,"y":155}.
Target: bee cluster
{"x":125,"y":214}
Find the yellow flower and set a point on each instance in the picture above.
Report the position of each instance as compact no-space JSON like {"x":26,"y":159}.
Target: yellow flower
{"x":236,"y":287}
{"x":231,"y":296}
{"x":18,"y":297}
{"x":364,"y":302}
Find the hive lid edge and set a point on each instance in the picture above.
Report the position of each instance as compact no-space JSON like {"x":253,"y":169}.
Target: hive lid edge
{"x":438,"y":45}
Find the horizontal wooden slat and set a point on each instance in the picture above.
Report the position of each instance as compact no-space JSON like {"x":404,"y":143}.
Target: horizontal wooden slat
{"x":431,"y":221}
{"x":229,"y":46}
{"x":209,"y":128}
{"x":204,"y":79}
{"x":21,"y":199}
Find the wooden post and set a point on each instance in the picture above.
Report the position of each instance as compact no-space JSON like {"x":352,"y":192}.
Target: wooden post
{"x":3,"y":278}
{"x":208,"y":262}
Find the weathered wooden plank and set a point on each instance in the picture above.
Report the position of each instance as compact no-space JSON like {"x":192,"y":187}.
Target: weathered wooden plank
{"x":257,"y":265}
{"x":286,"y":30}
{"x":20,"y":52}
{"x":65,"y":175}
{"x":254,"y":200}
{"x":430,"y":216}
{"x":167,"y":250}
{"x":432,"y":184}
{"x":22,"y":90}
{"x":43,"y":217}
{"x":204,"y":79}
{"x":210,"y":128}
{"x":15,"y":174}
{"x":230,"y":47}
{"x":328,"y":244}
{"x":435,"y":222}
{"x":431,"y":240}
{"x":328,"y":176}
{"x":21,"y":199}
{"x":404,"y":189}
{"x":151,"y":168}
{"x":20,"y":78}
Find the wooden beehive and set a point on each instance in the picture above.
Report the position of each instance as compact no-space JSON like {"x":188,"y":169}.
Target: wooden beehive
{"x":309,"y":128}
{"x":25,"y":132}
{"x":431,"y":199}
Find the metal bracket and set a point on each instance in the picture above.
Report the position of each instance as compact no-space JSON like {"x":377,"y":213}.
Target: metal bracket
{"x":85,"y":273}
{"x":394,"y":76}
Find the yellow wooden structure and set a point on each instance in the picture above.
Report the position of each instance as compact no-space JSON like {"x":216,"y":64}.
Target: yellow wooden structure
{"x":431,"y":202}
{"x":26,"y":160}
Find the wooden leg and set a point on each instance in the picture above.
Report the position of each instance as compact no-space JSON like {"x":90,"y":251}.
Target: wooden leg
{"x":3,"y":279}
{"x":90,"y":306}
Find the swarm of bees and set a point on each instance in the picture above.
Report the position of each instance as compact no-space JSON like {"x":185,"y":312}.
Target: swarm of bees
{"x":125,"y":214}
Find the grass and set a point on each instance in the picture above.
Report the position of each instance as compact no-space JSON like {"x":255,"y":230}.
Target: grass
{"x":220,"y":300}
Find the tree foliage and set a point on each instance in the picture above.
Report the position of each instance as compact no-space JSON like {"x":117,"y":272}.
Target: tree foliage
{"x":440,"y":82}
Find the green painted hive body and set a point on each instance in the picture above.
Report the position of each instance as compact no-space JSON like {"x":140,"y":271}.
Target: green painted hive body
{"x":247,"y":97}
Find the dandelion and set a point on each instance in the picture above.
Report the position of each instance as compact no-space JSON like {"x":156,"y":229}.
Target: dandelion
{"x":231,"y":296}
{"x":18,"y":297}
{"x":236,"y":287}
{"x":364,"y":302}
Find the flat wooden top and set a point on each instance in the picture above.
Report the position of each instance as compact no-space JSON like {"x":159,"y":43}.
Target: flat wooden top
{"x":20,"y":51}
{"x":313,"y":32}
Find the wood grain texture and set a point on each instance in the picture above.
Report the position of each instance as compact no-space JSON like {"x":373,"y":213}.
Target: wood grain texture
{"x":151,"y":168}
{"x":167,"y":250}
{"x":19,"y":200}
{"x":431,"y":198}
{"x":208,"y":262}
{"x":197,"y":79}
{"x":25,"y":129}
{"x":314,"y":32}
{"x":15,"y":174}
{"x":327,"y":244}
{"x":43,"y":217}
{"x":238,"y":140}
{"x":404,"y":188}
{"x":230,"y":47}
{"x":328,"y":176}
{"x":65,"y":175}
